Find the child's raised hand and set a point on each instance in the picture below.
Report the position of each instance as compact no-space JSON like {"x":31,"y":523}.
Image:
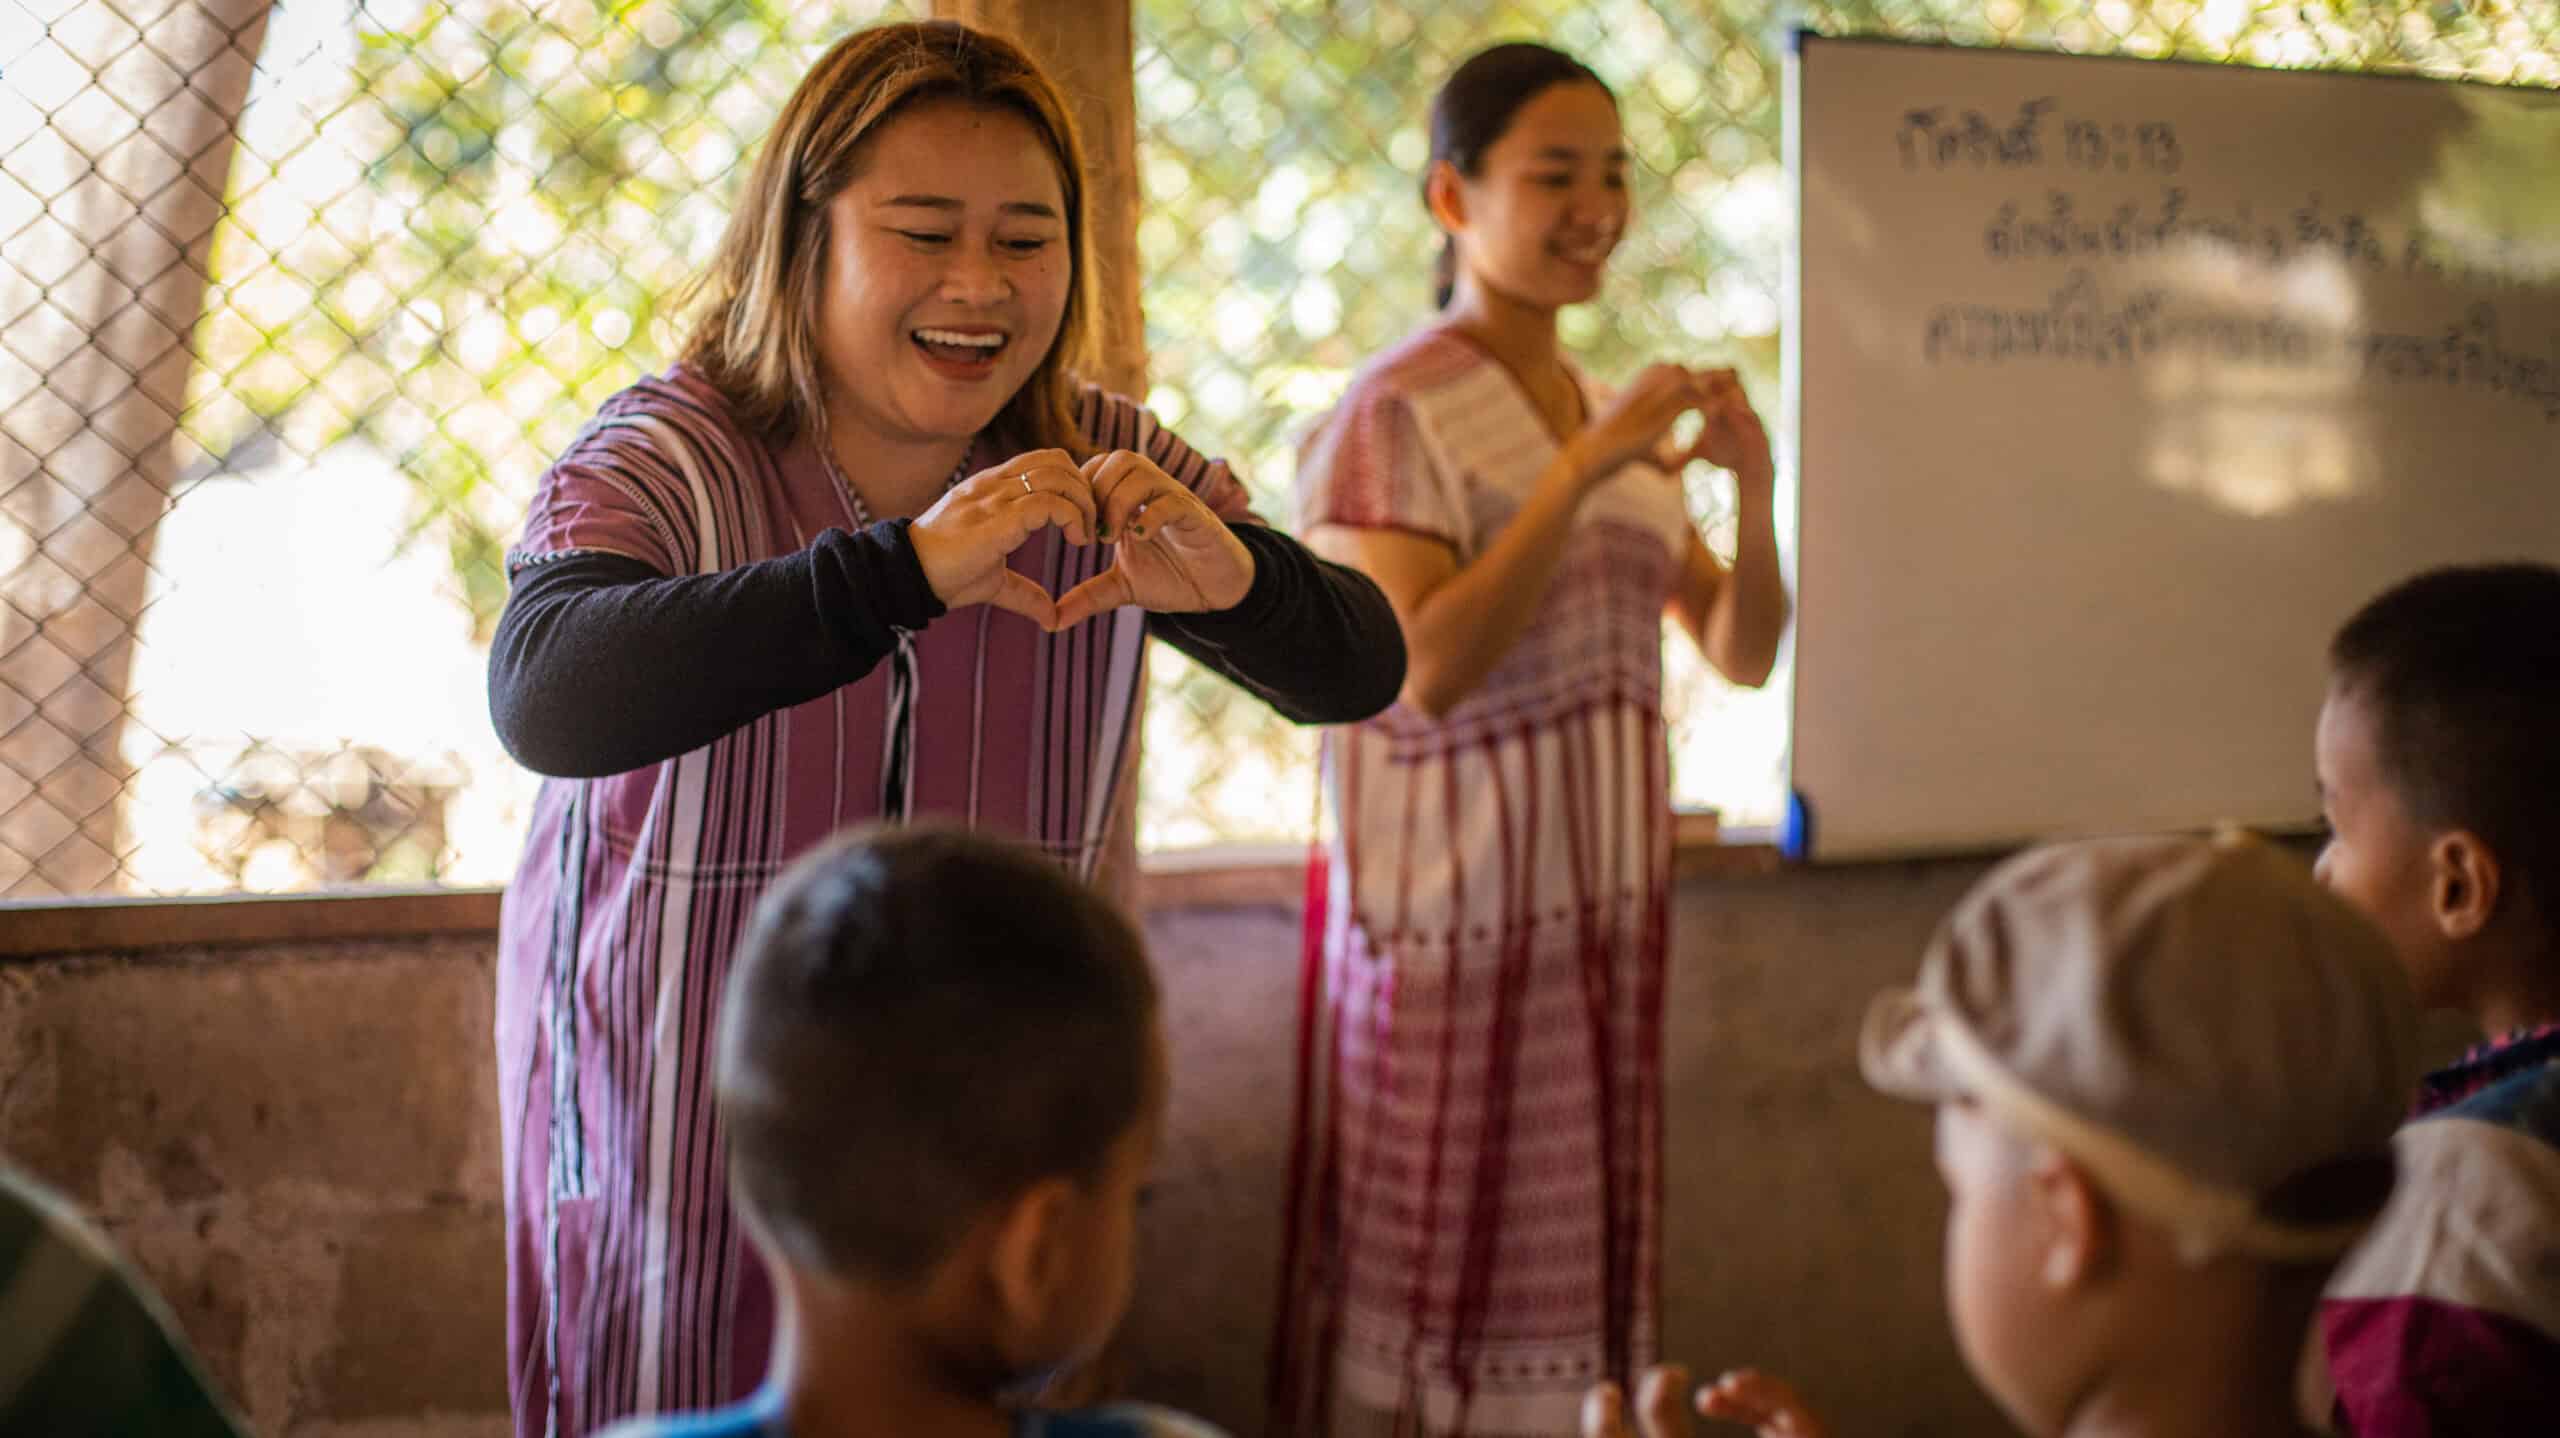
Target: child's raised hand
{"x":1769,"y":1404}
{"x":1604,"y":1411}
{"x":1662,"y":1406}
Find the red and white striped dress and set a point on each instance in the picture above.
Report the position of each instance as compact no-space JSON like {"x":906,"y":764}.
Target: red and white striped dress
{"x":1475,"y":1205}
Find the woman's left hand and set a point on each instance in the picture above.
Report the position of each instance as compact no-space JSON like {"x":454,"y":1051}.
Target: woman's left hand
{"x":1175,"y":555}
{"x":1732,"y":437}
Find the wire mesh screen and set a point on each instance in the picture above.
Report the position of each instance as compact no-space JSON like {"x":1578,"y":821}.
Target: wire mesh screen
{"x":1282,"y":143}
{"x":297,"y":299}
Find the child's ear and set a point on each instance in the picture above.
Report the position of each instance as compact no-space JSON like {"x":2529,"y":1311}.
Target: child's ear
{"x":1445,"y":196}
{"x":1033,"y":1255}
{"x":2464,"y":883}
{"x":2079,"y":1224}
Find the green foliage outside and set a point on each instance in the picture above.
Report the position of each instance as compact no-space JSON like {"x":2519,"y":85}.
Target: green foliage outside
{"x":476,"y":236}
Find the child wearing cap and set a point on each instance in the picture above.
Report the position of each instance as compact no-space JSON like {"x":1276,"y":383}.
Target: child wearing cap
{"x":2166,"y":1074}
{"x":2438,"y":753}
{"x":941,"y":1078}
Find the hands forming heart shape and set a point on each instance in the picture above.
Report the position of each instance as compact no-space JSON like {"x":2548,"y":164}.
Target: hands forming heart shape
{"x":1173,"y":554}
{"x":1730,"y":435}
{"x":1637,"y":425}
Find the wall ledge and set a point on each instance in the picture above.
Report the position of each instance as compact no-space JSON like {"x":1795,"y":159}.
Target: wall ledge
{"x":1225,"y":876}
{"x":55,"y":928}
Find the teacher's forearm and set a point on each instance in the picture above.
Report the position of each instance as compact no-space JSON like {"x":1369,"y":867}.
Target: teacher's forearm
{"x":1315,"y":641}
{"x":601,"y":665}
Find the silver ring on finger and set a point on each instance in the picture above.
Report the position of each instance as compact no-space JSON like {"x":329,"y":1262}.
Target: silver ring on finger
{"x":1026,"y":484}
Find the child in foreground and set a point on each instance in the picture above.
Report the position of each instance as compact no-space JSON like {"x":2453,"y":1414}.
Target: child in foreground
{"x":942,"y":1081}
{"x":2166,"y":1072}
{"x":2438,"y":754}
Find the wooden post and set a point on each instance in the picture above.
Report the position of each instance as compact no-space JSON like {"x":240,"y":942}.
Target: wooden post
{"x":95,"y":375}
{"x":1086,"y":47}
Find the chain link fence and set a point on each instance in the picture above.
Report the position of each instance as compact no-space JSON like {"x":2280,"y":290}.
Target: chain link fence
{"x":1282,"y":144}
{"x":297,"y":299}
{"x":246,"y":591}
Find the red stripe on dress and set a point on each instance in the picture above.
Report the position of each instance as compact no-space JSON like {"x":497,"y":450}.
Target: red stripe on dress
{"x":1384,"y":1074}
{"x":1512,"y":942}
{"x":1453,"y":980}
{"x":1643,"y":1202}
{"x":1401,"y":926}
{"x":1595,"y":959}
{"x":1310,"y":1222}
{"x":1290,"y":1305}
{"x":1348,"y":1194}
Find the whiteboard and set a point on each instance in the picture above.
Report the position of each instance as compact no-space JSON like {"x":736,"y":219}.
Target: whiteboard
{"x":2116,"y":385}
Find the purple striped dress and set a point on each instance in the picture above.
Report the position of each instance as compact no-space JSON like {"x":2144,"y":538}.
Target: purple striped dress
{"x":630,"y":1285}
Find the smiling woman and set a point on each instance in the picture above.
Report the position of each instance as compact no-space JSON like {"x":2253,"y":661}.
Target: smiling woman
{"x":870,"y":551}
{"x":1528,"y":525}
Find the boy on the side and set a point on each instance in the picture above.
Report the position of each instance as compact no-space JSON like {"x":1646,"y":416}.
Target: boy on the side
{"x":2439,"y":765}
{"x":2167,"y":1072}
{"x":87,"y":1349}
{"x":942,"y":1079}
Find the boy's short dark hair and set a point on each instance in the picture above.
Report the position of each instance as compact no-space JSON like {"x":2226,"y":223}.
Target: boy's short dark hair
{"x":2460,"y":670}
{"x":919,"y":1024}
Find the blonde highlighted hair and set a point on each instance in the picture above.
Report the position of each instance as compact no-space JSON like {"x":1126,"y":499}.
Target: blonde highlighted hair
{"x":755,"y":326}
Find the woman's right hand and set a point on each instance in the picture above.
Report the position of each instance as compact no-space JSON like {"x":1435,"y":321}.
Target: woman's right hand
{"x":962,"y":543}
{"x":1633,"y":425}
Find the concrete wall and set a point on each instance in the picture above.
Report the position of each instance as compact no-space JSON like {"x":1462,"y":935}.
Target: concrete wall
{"x":1801,"y":1231}
{"x":299,"y":1145}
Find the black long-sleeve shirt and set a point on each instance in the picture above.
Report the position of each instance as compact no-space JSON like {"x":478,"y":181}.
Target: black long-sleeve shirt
{"x":578,"y":671}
